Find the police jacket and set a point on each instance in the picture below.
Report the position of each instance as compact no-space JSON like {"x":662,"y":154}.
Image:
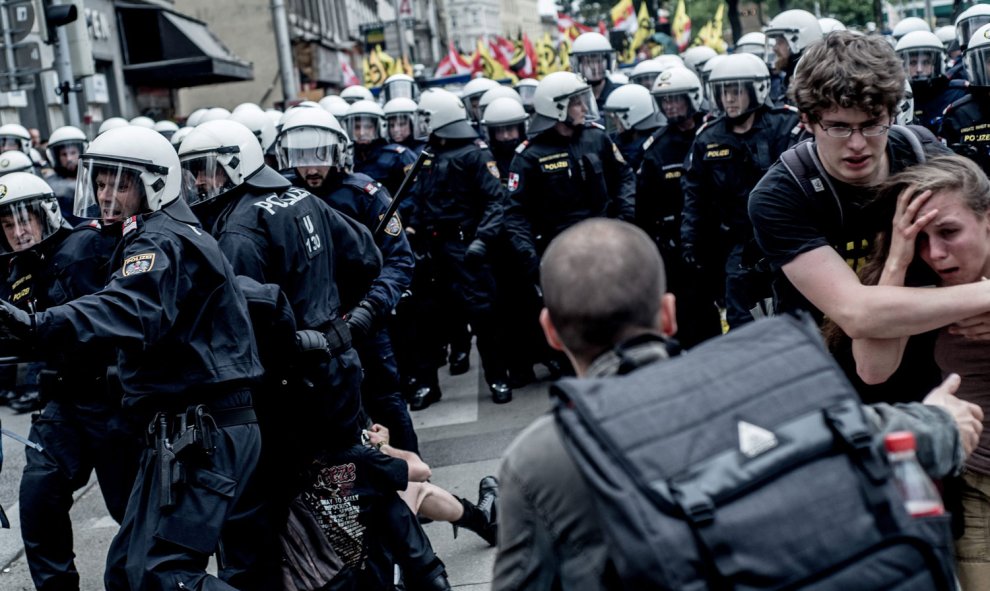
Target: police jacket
{"x":386,"y":163}
{"x":65,"y":192}
{"x":171,"y":309}
{"x":458,"y":192}
{"x":366,"y":201}
{"x":556,"y":181}
{"x":320,"y":258}
{"x":659,"y":198}
{"x":630,"y":145}
{"x":931,"y":100}
{"x":966,"y":128}
{"x":722,"y":167}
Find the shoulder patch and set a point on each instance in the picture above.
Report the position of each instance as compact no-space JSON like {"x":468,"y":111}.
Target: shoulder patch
{"x":648,"y":142}
{"x":372,"y":187}
{"x":493,"y":168}
{"x":139,"y":263}
{"x":94,"y":224}
{"x":400,"y":149}
{"x":596,"y":124}
{"x":130,"y":224}
{"x":522,"y":146}
{"x":618,"y":154}
{"x":394,"y":226}
{"x":513,"y":181}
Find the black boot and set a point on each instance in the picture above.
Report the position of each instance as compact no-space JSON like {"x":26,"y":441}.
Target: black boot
{"x":440,"y":583}
{"x":460,"y":362}
{"x":424,"y":396}
{"x":482,"y":518}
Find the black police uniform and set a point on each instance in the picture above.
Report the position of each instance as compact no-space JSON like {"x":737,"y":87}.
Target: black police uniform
{"x":721,"y":169}
{"x":630,"y":145}
{"x":556,"y":181}
{"x":366,"y":200}
{"x":457,"y":199}
{"x":386,"y":163}
{"x":966,"y":127}
{"x":65,"y":191}
{"x":182,"y":337}
{"x":659,"y":204}
{"x":81,"y":427}
{"x":932,"y":98}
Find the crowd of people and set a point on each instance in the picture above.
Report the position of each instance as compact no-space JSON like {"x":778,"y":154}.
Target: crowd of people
{"x":231,"y":320}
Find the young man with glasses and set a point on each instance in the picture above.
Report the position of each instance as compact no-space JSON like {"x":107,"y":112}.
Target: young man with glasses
{"x":815,"y":240}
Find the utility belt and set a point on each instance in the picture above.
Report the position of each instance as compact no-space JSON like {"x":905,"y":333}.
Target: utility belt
{"x":188,"y":438}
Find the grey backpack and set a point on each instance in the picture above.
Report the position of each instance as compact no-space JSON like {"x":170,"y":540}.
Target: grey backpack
{"x":746,"y":463}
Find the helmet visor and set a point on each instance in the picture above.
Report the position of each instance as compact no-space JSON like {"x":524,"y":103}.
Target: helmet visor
{"x":593,"y":66}
{"x":311,"y":146}
{"x":364,"y":129}
{"x":977,"y":66}
{"x":579,"y":108}
{"x":203,"y":178}
{"x":401,"y":89}
{"x":401,"y":126}
{"x":922,"y":64}
{"x":526,"y":92}
{"x":65,"y":156}
{"x":646,"y":80}
{"x":778,"y":47}
{"x":966,"y":28}
{"x":675,"y":106}
{"x":9,"y":142}
{"x":108,"y":191}
{"x":734,"y":97}
{"x":27,"y":222}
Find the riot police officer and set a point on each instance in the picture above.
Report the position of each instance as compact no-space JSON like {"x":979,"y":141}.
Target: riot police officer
{"x":660,"y":199}
{"x":321,"y":168}
{"x":471,"y":97}
{"x":966,"y":25}
{"x":729,"y":156}
{"x":567,"y":171}
{"x":635,"y":117}
{"x":593,"y":57}
{"x":81,"y":427}
{"x":526,"y":87}
{"x":456,"y":214}
{"x":504,"y":121}
{"x":184,"y":348}
{"x":966,"y":123}
{"x":400,"y":121}
{"x":355,"y":93}
{"x":788,"y":35}
{"x":385,"y":162}
{"x":399,"y":85}
{"x":65,"y":146}
{"x":924,"y":66}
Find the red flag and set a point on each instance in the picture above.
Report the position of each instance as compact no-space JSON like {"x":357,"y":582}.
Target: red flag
{"x":569,"y":28}
{"x":350,"y":78}
{"x":602,"y":28}
{"x":502,"y":50}
{"x":452,"y":64}
{"x":529,"y":70}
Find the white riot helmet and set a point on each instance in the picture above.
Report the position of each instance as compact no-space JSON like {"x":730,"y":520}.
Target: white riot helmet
{"x":313,"y":138}
{"x":112,"y":123}
{"x":196,"y":117}
{"x":15,"y":161}
{"x":471,"y":95}
{"x":244,"y":107}
{"x":29,"y":212}
{"x":219,"y":156}
{"x":946,"y":35}
{"x":526,"y":89}
{"x":669,"y":60}
{"x":740,"y":84}
{"x":355,"y":93}
{"x":214,"y":114}
{"x":618,"y":78}
{"x":706,"y":73}
{"x":334,"y":105}
{"x":798,"y":28}
{"x":829,"y":25}
{"x":646,"y":72}
{"x":592,"y":56}
{"x":695,"y":57}
{"x":166,"y":128}
{"x":126,"y":171}
{"x":977,"y":55}
{"x":501,"y":116}
{"x":15,"y":137}
{"x":676,"y":89}
{"x":923,"y":56}
{"x":400,"y":85}
{"x":364,"y":122}
{"x":260,"y":124}
{"x":555,"y":95}
{"x":274,"y":115}
{"x":442,"y":113}
{"x":142,"y":121}
{"x":497,"y":93}
{"x":905,"y":108}
{"x":907,"y":25}
{"x":67,"y":141}
{"x":400,"y":119}
{"x":755,"y":43}
{"x":969,"y":21}
{"x":632,"y":107}
{"x":177,"y":137}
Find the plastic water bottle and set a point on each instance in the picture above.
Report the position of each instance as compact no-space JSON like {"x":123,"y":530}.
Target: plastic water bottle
{"x":921,"y":498}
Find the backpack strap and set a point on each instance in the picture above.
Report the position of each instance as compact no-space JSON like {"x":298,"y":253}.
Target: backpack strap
{"x":802,"y":163}
{"x":915,"y":135}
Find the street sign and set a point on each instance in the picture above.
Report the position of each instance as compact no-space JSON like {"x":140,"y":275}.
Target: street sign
{"x":27,"y":59}
{"x":20,"y":19}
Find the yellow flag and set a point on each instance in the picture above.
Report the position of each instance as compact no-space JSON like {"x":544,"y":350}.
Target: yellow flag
{"x":387,"y":62}
{"x":711,"y":34}
{"x":493,"y":70}
{"x":623,"y":16}
{"x":375,"y":72}
{"x":681,"y":27}
{"x":366,"y":68}
{"x":645,"y":29}
{"x":564,"y":55}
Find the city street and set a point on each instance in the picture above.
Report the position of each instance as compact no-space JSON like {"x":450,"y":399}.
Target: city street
{"x":462,"y":438}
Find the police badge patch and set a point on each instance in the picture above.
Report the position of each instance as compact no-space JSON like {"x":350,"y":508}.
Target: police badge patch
{"x":513,"y":181}
{"x":394,"y":226}
{"x":493,"y":168}
{"x":139,"y":263}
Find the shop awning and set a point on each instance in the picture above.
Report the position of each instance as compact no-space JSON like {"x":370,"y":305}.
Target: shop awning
{"x":167,"y":49}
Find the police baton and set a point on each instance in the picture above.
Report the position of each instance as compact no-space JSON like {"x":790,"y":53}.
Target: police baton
{"x":403,"y":190}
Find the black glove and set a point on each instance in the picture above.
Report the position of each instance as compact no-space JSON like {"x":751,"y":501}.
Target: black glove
{"x":19,"y":323}
{"x":360,"y":319}
{"x":476,"y":252}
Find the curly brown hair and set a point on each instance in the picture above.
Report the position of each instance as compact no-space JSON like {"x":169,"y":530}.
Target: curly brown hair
{"x":847,"y":70}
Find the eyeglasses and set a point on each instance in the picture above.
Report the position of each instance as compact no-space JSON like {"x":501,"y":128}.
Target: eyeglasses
{"x":843,"y":131}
